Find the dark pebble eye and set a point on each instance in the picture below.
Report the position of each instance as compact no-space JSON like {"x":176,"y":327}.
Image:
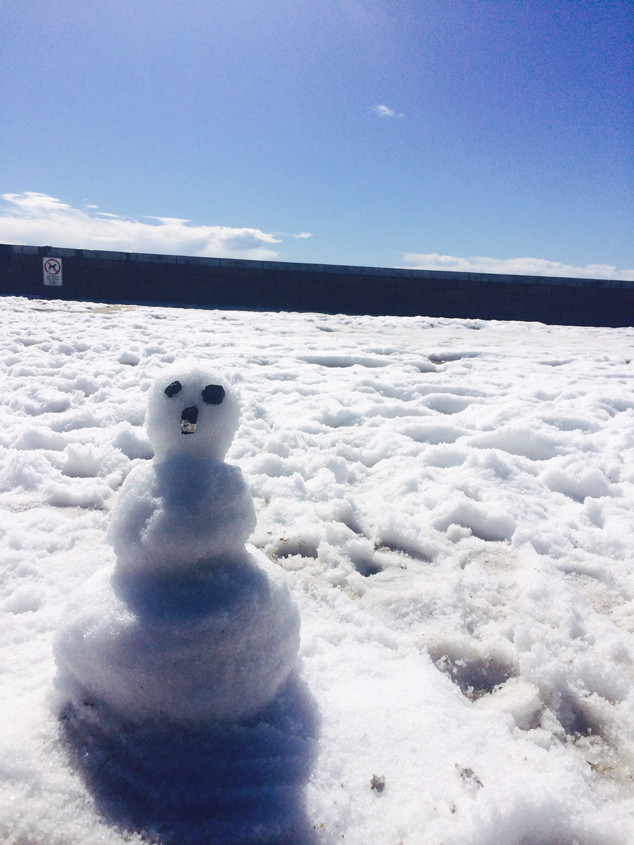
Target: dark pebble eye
{"x":213,"y":394}
{"x":173,"y":388}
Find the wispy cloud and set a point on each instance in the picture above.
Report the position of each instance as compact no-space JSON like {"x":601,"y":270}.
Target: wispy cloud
{"x":38,"y":219}
{"x":514,"y":266}
{"x":386,"y":111}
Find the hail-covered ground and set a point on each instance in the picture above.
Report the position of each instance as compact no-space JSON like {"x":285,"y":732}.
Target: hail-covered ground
{"x":451,"y":504}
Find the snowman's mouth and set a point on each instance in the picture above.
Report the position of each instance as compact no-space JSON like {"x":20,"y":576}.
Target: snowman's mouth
{"x":188,"y":420}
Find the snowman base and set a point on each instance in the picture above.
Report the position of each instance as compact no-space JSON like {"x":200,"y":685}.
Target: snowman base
{"x":216,"y":645}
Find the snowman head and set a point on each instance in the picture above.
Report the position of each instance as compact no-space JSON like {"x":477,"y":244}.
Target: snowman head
{"x":192,"y":411}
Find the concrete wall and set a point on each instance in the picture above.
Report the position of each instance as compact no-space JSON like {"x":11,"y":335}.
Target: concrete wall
{"x":123,"y":277}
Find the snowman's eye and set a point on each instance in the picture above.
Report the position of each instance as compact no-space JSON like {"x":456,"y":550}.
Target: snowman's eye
{"x":213,"y":394}
{"x":173,"y":388}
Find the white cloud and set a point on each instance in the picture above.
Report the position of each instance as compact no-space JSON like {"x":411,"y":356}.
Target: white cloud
{"x":296,"y":236}
{"x":38,"y":219}
{"x":386,"y":111}
{"x":514,"y":266}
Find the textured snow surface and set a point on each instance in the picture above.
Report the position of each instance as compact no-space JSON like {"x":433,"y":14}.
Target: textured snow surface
{"x":450,"y":503}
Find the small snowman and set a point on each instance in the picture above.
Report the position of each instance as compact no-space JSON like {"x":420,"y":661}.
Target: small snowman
{"x":192,"y":624}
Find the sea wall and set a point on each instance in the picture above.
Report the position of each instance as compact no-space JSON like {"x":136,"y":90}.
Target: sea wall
{"x":122,"y":277}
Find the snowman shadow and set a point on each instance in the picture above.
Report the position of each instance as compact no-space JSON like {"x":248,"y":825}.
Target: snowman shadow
{"x":221,"y":782}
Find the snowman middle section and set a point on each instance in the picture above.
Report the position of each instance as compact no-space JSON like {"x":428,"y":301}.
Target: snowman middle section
{"x":183,"y":514}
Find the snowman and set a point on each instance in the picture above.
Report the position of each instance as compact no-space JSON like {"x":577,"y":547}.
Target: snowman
{"x":192,"y":624}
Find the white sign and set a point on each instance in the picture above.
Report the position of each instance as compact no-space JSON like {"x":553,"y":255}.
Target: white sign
{"x":52,"y":268}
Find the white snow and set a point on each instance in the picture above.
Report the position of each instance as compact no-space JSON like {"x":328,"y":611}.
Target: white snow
{"x":450,"y":502}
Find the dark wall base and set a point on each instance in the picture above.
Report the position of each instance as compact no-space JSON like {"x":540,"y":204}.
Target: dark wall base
{"x":117,"y":277}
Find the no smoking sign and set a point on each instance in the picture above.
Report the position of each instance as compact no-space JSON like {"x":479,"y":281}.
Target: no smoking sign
{"x":52,"y":268}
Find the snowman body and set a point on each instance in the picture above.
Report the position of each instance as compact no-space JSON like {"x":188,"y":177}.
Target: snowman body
{"x":192,"y":624}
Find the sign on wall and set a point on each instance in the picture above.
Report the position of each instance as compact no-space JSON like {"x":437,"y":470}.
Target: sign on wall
{"x":52,"y":268}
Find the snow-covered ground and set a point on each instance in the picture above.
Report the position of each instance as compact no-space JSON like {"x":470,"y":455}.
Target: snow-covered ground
{"x":451,"y":502}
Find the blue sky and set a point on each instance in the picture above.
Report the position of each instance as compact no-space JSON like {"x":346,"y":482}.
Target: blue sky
{"x":486,"y":134}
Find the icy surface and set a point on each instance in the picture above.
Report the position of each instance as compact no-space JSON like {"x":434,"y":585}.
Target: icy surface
{"x":451,"y":502}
